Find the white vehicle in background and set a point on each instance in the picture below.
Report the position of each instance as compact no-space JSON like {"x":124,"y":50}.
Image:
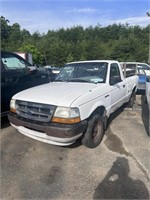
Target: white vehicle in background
{"x":53,"y":69}
{"x":147,"y":92}
{"x":146,"y":68}
{"x":147,"y":95}
{"x":131,"y":65}
{"x":76,"y":105}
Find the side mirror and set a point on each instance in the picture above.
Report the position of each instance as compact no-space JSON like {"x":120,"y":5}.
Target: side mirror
{"x":115,"y":79}
{"x":32,"y":69}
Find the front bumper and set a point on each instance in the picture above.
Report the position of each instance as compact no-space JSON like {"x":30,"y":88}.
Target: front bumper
{"x":52,"y":133}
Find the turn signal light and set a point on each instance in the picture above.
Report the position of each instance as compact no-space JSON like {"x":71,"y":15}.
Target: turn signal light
{"x":13,"y":110}
{"x":66,"y":120}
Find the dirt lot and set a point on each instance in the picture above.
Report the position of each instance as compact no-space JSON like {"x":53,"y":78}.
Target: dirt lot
{"x":118,"y":168}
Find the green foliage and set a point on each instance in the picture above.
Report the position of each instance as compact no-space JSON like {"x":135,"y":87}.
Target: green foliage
{"x":69,"y":58}
{"x":5,"y":31}
{"x":37,"y":55}
{"x":117,"y":41}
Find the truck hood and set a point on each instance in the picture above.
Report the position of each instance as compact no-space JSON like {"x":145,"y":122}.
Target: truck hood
{"x":56,"y":93}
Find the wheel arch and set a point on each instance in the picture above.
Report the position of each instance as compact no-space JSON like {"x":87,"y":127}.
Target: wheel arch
{"x":102,"y":111}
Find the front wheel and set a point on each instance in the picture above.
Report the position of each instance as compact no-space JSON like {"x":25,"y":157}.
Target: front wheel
{"x":94,"y":133}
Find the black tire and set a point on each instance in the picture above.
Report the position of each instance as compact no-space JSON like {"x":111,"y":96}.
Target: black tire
{"x":94,"y":133}
{"x":131,"y":100}
{"x":145,"y":99}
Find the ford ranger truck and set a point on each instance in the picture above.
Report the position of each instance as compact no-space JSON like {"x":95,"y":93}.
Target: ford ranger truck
{"x":76,"y":105}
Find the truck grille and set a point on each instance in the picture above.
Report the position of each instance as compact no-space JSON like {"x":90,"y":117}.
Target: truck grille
{"x":35,"y":111}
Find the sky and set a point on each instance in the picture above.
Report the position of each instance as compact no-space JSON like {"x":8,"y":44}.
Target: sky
{"x":43,"y":15}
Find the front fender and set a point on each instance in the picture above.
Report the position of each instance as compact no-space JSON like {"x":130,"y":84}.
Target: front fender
{"x":86,"y":110}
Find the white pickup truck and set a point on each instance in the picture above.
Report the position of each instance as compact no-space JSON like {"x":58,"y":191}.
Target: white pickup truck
{"x":76,"y":105}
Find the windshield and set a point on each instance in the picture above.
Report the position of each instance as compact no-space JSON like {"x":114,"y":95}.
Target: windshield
{"x":11,"y":61}
{"x":93,"y":72}
{"x":144,"y":66}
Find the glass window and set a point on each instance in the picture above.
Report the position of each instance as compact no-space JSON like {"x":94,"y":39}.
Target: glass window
{"x":141,"y":71}
{"x":115,"y":76}
{"x":114,"y":70}
{"x":93,"y":72}
{"x":10,"y":61}
{"x":144,"y":66}
{"x":129,"y":69}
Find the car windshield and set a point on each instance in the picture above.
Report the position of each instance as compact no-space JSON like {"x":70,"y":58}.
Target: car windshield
{"x":140,"y":71}
{"x":92,"y":72}
{"x":144,"y":66}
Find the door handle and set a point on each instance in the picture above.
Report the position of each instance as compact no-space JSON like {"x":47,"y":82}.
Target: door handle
{"x":107,"y":96}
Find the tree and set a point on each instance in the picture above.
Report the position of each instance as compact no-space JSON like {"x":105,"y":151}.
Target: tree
{"x":38,"y":57}
{"x":69,"y":58}
{"x":5,"y":31}
{"x":116,"y":41}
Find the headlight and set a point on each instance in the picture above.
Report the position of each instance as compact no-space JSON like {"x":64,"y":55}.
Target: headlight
{"x":13,"y":105}
{"x":66,"y":115}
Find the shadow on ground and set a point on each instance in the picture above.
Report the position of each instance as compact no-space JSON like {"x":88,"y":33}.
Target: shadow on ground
{"x":115,"y":114}
{"x":4,"y":122}
{"x":118,"y":185}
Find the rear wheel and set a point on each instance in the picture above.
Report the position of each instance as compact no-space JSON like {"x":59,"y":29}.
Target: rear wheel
{"x":94,"y":133}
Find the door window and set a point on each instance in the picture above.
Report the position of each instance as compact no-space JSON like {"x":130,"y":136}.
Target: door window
{"x":115,"y":76}
{"x":11,"y":61}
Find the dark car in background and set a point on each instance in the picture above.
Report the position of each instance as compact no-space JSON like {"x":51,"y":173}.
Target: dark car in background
{"x":16,"y":75}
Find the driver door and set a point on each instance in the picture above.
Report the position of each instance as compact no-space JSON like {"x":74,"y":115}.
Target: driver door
{"x":117,"y":87}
